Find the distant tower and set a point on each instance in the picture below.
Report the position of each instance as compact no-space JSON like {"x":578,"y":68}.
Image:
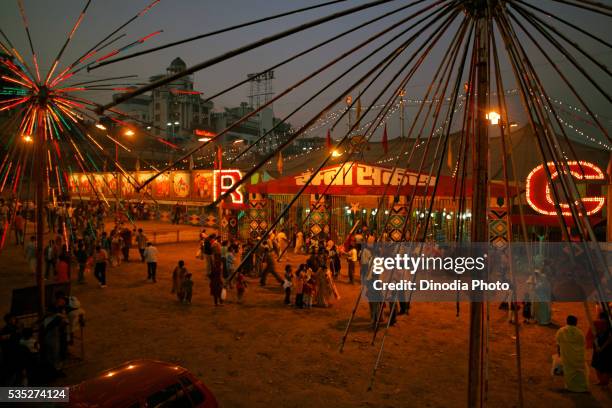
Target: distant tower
{"x":260,"y":89}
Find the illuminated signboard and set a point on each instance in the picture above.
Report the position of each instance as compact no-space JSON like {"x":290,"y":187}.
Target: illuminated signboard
{"x":204,"y":133}
{"x":539,"y":195}
{"x":362,"y":175}
{"x":197,"y":185}
{"x":224,"y":180}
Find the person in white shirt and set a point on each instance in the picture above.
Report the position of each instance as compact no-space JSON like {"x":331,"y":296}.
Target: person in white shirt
{"x":150,"y":255}
{"x":352,"y":263}
{"x":281,"y":242}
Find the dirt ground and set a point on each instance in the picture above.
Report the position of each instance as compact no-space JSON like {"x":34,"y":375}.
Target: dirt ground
{"x":265,"y":354}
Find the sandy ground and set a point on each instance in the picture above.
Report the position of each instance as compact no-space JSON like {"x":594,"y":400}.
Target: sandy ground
{"x":265,"y":354}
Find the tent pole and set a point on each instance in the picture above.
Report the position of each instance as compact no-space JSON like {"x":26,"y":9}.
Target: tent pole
{"x":479,"y":228}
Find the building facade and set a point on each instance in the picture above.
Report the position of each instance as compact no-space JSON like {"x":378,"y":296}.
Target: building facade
{"x":171,"y":111}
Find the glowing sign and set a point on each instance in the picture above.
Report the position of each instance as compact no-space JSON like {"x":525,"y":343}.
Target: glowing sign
{"x":362,"y":175}
{"x":204,"y":133}
{"x":224,"y":180}
{"x":539,"y":194}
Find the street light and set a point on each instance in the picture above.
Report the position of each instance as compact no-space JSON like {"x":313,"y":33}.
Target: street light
{"x":129,"y":132}
{"x":172,"y":127}
{"x":100,"y":126}
{"x":28,"y":139}
{"x":336,"y":153}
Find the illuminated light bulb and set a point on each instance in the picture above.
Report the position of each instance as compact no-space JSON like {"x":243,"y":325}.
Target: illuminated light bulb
{"x":493,"y":117}
{"x":100,"y":126}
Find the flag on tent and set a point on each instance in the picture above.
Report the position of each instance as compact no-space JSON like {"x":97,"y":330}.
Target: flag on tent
{"x":279,"y":162}
{"x":218,"y":159}
{"x":328,"y":141}
{"x":385,"y":141}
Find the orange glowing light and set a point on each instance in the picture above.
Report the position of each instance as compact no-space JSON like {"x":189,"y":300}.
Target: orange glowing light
{"x":538,"y":190}
{"x":204,"y":133}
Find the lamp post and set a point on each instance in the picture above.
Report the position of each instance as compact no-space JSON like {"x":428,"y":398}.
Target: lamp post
{"x":172,"y":126}
{"x":349,"y":101}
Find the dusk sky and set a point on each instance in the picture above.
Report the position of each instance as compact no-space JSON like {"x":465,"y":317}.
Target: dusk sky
{"x":50,"y":22}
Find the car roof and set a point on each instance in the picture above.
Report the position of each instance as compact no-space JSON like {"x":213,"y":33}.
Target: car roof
{"x":126,"y":383}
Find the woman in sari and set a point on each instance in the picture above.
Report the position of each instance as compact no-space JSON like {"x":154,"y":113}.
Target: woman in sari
{"x":216,"y":279}
{"x":323,"y":291}
{"x":178,"y":276}
{"x":541,"y":304}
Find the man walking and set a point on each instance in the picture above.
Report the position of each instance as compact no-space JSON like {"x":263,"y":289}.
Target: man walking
{"x":126,"y":234}
{"x":141,"y":242}
{"x":270,"y":268}
{"x":101,"y":259}
{"x":150,"y":255}
{"x":352,"y":263}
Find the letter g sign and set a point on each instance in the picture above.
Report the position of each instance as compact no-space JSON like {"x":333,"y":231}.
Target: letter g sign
{"x":539,"y":194}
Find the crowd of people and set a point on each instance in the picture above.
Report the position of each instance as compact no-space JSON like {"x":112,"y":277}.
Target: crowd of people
{"x":80,"y":239}
{"x":312,"y":283}
{"x":35,"y":355}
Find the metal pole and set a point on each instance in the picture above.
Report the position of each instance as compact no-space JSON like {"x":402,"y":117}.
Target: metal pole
{"x":479,"y":228}
{"x":609,"y":202}
{"x":116,"y":180}
{"x":39,"y":177}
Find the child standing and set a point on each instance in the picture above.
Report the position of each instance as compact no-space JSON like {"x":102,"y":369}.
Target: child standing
{"x":287,"y":284}
{"x":308,"y":291}
{"x":187,"y":288}
{"x":299,"y":287}
{"x":241,"y":285}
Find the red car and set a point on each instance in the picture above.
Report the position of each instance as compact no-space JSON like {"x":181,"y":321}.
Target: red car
{"x":143,"y":383}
